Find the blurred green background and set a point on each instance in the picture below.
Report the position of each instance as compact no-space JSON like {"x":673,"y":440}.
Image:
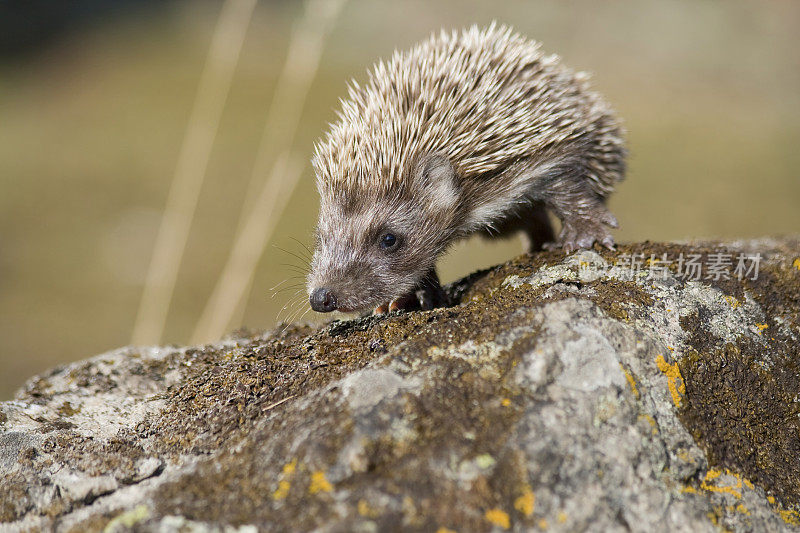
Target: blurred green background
{"x":92,"y":118}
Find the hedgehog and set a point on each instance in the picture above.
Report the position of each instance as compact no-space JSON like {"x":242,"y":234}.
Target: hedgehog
{"x":471,"y":132}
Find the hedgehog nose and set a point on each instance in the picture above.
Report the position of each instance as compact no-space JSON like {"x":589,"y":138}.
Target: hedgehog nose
{"x":322,"y":300}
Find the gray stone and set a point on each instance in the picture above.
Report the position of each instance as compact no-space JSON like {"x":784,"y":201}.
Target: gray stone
{"x":561,"y":393}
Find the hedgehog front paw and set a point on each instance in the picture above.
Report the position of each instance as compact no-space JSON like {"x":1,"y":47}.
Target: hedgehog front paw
{"x":408,"y":302}
{"x":583,"y":232}
{"x":426,"y":296}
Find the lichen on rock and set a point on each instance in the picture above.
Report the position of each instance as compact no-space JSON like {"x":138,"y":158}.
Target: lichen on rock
{"x":561,"y":392}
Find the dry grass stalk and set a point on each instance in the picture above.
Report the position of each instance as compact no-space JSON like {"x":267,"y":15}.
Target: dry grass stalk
{"x":259,"y":220}
{"x":212,"y":93}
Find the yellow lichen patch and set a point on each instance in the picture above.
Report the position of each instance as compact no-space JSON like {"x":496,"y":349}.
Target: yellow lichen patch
{"x":790,"y":517}
{"x":684,"y":456}
{"x":713,"y":474}
{"x":505,"y":402}
{"x":631,"y":380}
{"x":284,"y":484}
{"x":796,"y":263}
{"x":498,"y":517}
{"x":650,"y":419}
{"x":282,"y":491}
{"x":711,"y":483}
{"x":128,"y":519}
{"x":742,"y":509}
{"x":445,"y":530}
{"x":290,"y":467}
{"x":542,"y":524}
{"x":319,"y":483}
{"x":761,"y":327}
{"x":562,"y":517}
{"x":748,"y":483}
{"x":677,"y":388}
{"x":364,"y":509}
{"x":714,"y":515}
{"x":525,"y":503}
{"x":733,"y":302}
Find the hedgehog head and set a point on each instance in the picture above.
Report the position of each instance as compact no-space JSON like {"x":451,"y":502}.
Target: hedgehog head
{"x":377,"y":237}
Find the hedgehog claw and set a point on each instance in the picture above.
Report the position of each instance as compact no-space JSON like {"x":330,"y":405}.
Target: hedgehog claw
{"x":426,"y":296}
{"x":583,"y":233}
{"x":408,"y":302}
{"x":404,"y":303}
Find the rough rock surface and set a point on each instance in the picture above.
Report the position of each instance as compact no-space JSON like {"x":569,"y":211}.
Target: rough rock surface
{"x":560,"y":394}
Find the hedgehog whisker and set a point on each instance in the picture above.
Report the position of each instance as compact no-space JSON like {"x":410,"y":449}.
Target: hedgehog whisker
{"x":295,"y":288}
{"x":297,"y":279}
{"x":294,"y":302}
{"x":306,"y":248}
{"x":296,"y":269}
{"x":293,"y":317}
{"x":300,"y":257}
{"x":300,"y":319}
{"x":297,"y":306}
{"x":283,"y":313}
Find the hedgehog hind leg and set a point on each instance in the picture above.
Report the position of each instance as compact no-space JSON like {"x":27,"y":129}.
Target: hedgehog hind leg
{"x":584,"y":217}
{"x":427,"y":295}
{"x":581,"y":233}
{"x":584,"y":221}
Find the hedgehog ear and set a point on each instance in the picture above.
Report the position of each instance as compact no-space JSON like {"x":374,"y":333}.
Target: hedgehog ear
{"x":436,"y":176}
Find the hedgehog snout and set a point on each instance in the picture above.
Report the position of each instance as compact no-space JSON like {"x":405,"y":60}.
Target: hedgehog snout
{"x":323,"y":300}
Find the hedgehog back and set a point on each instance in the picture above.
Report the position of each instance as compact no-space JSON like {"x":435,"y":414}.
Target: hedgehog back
{"x":484,"y":98}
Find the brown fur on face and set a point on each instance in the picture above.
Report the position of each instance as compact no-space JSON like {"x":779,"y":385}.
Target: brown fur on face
{"x":422,"y":214}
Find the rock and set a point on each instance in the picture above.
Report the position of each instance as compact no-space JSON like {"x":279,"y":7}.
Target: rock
{"x":562,"y":393}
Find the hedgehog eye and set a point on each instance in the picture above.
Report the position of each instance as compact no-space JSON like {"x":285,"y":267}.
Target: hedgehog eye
{"x":388,"y":241}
